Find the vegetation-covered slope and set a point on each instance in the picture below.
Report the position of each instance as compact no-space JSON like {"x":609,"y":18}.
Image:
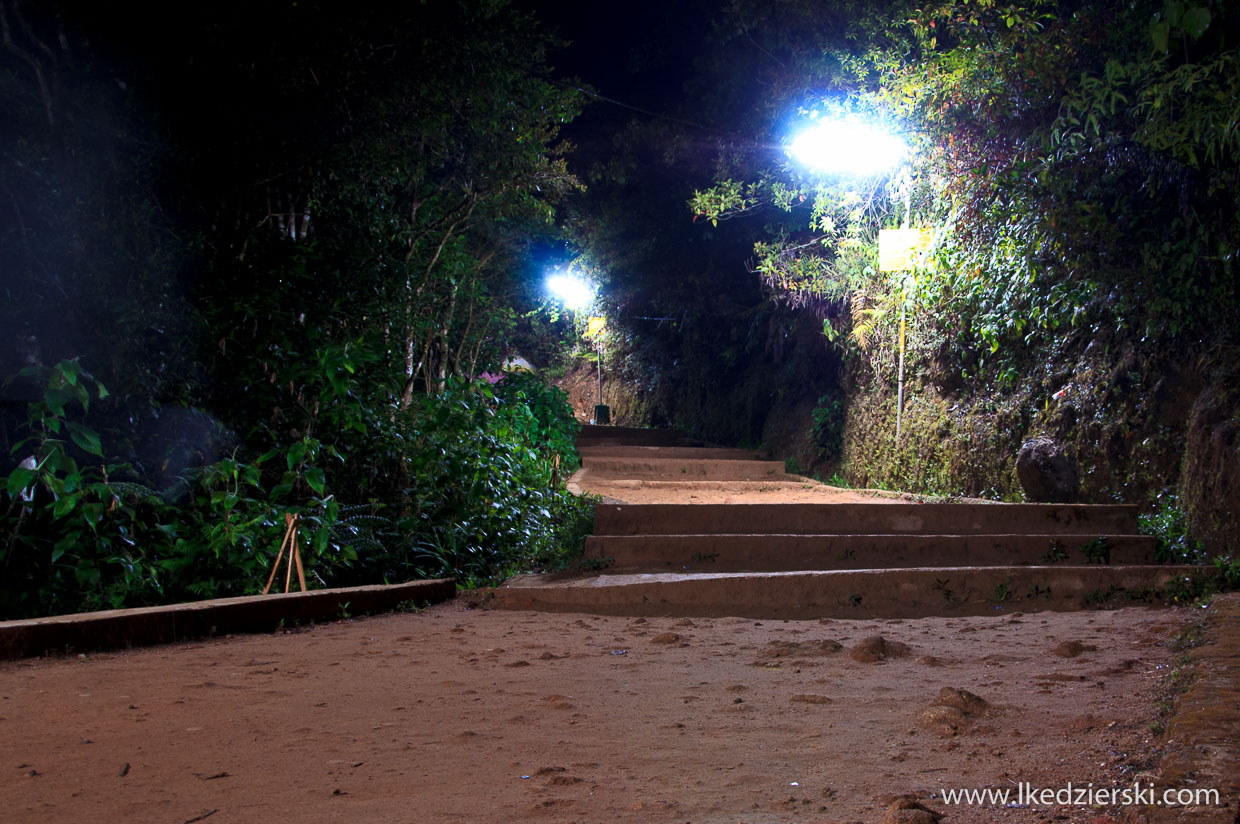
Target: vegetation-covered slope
{"x":284,"y":237}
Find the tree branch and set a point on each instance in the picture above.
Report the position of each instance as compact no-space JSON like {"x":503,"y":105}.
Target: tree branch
{"x":6,"y":37}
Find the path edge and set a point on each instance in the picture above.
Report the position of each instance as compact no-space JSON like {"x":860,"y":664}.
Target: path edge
{"x":146,"y":626}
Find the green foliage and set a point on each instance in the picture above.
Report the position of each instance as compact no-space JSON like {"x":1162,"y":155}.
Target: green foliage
{"x":68,"y":535}
{"x":554,"y":427}
{"x":485,"y":505}
{"x":1200,"y":588}
{"x":476,"y":502}
{"x":829,"y":416}
{"x":1169,"y":524}
{"x":1055,"y":554}
{"x":1097,"y":551}
{"x":1074,"y":178}
{"x":1228,"y":568}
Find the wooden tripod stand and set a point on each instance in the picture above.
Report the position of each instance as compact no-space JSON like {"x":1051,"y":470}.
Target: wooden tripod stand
{"x":294,"y":555}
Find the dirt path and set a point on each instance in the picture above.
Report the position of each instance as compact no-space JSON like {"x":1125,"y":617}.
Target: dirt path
{"x":466,"y":715}
{"x":470,"y":715}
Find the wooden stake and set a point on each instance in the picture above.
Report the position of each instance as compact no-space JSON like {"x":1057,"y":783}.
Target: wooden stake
{"x":288,"y":578}
{"x":276,"y":565}
{"x":294,"y":556}
{"x":295,"y":521}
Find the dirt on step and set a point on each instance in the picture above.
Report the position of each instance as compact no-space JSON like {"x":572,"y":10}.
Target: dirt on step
{"x":785,"y":489}
{"x":460,"y":714}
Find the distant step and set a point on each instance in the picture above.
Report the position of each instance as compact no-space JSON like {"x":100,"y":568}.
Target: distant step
{"x":888,"y":593}
{"x":673,"y":487}
{"x":676,"y":452}
{"x":593,"y":435}
{"x":702,"y":469}
{"x":772,"y":553}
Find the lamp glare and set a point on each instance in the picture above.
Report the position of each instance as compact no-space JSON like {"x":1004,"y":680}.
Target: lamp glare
{"x":847,"y":147}
{"x":574,"y":292}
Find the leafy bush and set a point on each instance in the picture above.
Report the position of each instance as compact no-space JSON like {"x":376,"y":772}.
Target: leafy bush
{"x":1169,"y":524}
{"x":71,"y":539}
{"x":555,"y":427}
{"x":486,"y":503}
{"x":469,"y":494}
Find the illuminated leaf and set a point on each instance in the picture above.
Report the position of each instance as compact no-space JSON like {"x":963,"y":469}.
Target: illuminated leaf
{"x":1195,"y":21}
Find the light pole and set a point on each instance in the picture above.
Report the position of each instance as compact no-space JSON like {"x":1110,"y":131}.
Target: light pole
{"x":578,"y":294}
{"x":855,"y":147}
{"x":594,"y":329}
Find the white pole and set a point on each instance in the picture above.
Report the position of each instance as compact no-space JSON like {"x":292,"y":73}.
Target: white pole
{"x":908,"y":223}
{"x":900,"y":390}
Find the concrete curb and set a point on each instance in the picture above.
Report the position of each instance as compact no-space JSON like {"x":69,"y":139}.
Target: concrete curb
{"x":143,"y":626}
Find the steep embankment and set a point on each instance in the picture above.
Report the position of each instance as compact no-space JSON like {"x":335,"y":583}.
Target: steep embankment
{"x":1139,"y":424}
{"x":1154,"y":427}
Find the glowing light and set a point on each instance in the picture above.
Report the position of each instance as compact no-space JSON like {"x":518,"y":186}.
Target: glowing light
{"x":852,"y":147}
{"x":573,"y":291}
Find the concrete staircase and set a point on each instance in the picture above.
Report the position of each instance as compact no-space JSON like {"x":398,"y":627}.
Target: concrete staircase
{"x":846,"y":554}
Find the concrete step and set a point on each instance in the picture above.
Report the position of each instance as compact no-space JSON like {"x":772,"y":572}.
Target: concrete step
{"x":887,"y":518}
{"x":676,"y":452}
{"x":890,"y":593}
{"x":684,"y":469}
{"x":592,"y":434}
{"x":677,"y":487}
{"x":774,"y":553}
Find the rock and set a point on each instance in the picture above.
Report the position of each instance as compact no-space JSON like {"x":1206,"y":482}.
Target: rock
{"x":801,"y":649}
{"x":911,"y":817}
{"x":811,"y":698}
{"x":1071,"y":649}
{"x":665,"y":638}
{"x":1046,"y":473}
{"x":908,"y":811}
{"x":963,"y":700}
{"x":943,"y":721}
{"x":952,"y":712}
{"x":877,"y":648}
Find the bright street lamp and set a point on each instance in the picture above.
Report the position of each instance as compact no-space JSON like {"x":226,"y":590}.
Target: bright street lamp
{"x":575,"y":293}
{"x":849,"y":146}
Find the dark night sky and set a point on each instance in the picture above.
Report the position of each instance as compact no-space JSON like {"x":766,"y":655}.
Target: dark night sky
{"x":640,"y":52}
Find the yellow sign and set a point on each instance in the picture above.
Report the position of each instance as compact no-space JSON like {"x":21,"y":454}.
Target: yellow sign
{"x":899,"y":249}
{"x":595,"y":327}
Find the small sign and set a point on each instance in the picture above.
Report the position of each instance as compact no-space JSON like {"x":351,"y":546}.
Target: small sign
{"x":900,"y":249}
{"x":595,"y":327}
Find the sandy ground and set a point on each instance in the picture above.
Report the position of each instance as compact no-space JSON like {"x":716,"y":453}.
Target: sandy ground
{"x":460,"y":714}
{"x":463,"y":714}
